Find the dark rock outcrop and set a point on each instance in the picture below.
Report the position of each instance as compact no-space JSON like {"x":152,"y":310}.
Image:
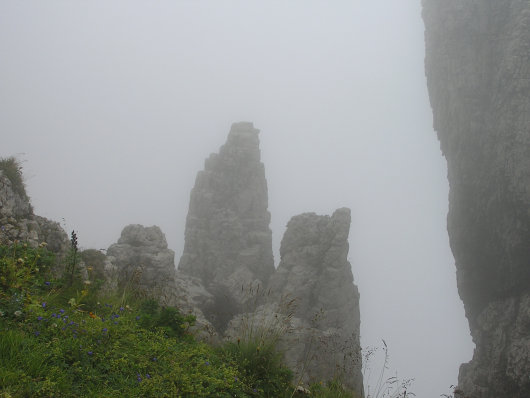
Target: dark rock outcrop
{"x":315,"y":271}
{"x":478,"y":73}
{"x":228,"y":242}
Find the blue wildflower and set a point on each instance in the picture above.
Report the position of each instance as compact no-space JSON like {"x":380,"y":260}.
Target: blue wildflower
{"x":39,"y":318}
{"x":47,"y":283}
{"x":61,"y":311}
{"x":89,"y":352}
{"x":43,"y":305}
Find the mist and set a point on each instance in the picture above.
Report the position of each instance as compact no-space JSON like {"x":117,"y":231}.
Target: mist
{"x":113,"y":107}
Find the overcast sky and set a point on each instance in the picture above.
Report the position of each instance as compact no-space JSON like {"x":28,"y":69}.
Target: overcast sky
{"x":114,"y":105}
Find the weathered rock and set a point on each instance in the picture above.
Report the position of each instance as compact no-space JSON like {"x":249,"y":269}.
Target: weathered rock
{"x":478,"y":73}
{"x":228,"y":242}
{"x":143,"y":259}
{"x":189,"y":296}
{"x":95,"y":265}
{"x":13,"y":204}
{"x":314,"y":270}
{"x":17,"y":221}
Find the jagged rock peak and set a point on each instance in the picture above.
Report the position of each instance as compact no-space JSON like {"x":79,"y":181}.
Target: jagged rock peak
{"x":315,"y":271}
{"x":142,"y":257}
{"x":478,"y":74}
{"x":227,"y":238}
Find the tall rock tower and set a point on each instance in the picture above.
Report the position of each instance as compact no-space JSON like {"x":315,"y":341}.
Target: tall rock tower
{"x":315,"y":271}
{"x":228,"y":242}
{"x":478,"y":72}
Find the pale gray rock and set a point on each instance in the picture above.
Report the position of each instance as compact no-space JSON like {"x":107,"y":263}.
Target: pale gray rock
{"x":314,"y":270}
{"x":189,"y":295}
{"x":18,"y":223}
{"x":478,"y":73}
{"x":228,"y":242}
{"x":142,"y":258}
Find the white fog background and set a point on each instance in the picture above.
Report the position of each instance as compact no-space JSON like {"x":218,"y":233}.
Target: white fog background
{"x":114,"y":105}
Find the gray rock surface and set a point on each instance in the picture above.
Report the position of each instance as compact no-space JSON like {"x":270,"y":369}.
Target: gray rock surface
{"x":478,"y":72}
{"x":142,"y":258}
{"x":314,"y":270}
{"x":18,"y":223}
{"x":228,"y":242}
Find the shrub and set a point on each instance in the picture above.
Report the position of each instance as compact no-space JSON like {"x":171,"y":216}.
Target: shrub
{"x":168,"y":319}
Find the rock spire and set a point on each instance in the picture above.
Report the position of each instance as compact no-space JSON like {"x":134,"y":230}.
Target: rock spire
{"x":227,"y":238}
{"x":315,"y":271}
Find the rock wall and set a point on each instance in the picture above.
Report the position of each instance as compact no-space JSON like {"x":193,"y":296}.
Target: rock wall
{"x":478,"y":73}
{"x":314,"y":269}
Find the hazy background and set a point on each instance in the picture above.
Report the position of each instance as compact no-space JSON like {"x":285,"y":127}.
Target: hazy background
{"x":114,"y":105}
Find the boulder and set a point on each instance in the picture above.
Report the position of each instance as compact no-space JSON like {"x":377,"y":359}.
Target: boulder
{"x":142,"y":258}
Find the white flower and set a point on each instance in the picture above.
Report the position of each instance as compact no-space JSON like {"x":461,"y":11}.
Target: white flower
{"x":18,"y":313}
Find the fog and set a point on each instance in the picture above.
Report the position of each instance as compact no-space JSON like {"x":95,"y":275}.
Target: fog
{"x":113,"y":107}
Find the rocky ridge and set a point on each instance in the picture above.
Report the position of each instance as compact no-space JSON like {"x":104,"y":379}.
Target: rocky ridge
{"x":478,"y":73}
{"x":226,"y":273}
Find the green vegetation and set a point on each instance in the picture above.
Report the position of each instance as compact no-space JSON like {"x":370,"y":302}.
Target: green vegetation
{"x":61,"y":337}
{"x":13,"y":171}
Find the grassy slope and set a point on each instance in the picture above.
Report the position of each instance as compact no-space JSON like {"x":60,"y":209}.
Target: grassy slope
{"x":62,"y":339}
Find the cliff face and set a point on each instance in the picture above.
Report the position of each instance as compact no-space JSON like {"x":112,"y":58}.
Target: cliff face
{"x":314,"y":269}
{"x":478,"y":73}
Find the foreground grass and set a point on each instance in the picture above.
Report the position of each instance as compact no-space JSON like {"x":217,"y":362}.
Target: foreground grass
{"x":63,"y":339}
